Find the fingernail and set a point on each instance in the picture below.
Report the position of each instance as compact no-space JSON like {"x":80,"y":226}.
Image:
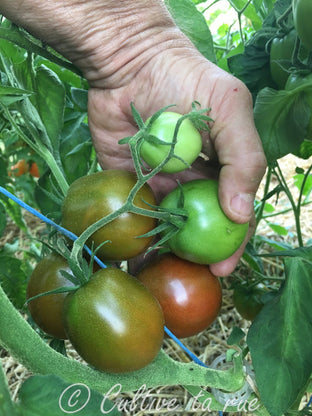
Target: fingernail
{"x":243,"y":204}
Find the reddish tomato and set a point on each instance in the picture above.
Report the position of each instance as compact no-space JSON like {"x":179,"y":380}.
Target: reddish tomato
{"x":34,"y":171}
{"x":47,"y":310}
{"x":189,"y":294}
{"x":114,"y":322}
{"x":92,"y":197}
{"x":19,"y":169}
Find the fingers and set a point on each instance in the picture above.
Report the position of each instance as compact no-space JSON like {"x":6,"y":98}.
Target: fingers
{"x":240,"y":153}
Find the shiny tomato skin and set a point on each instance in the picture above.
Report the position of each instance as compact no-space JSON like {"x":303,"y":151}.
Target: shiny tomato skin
{"x":208,"y":235}
{"x":188,"y":146}
{"x":114,"y":322}
{"x":189,"y":294}
{"x":47,"y":311}
{"x":92,"y":197}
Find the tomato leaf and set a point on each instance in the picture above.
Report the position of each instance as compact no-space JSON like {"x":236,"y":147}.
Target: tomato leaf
{"x":193,"y":24}
{"x":282,"y":119}
{"x":50,"y":95}
{"x":280,"y":339}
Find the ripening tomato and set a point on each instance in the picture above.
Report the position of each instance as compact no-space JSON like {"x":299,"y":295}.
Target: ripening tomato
{"x":19,"y":169}
{"x":34,"y":171}
{"x":188,"y":146}
{"x":92,"y":197}
{"x":114,"y":323}
{"x":189,"y":294}
{"x":208,"y":235}
{"x":47,"y":310}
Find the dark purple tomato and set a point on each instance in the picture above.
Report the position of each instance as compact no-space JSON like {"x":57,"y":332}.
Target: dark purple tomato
{"x":189,"y":294}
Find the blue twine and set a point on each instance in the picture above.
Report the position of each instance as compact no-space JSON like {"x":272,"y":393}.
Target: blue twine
{"x":73,"y":237}
{"x":37,"y":214}
{"x":309,"y":402}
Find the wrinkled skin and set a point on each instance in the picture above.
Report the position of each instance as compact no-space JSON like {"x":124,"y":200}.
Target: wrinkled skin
{"x":240,"y":168}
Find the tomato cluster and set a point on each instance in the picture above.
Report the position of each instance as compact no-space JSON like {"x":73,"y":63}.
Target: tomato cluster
{"x":22,"y":167}
{"x":116,"y":321}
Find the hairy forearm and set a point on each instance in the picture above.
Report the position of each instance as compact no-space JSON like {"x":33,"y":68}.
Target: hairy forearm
{"x":101,"y":37}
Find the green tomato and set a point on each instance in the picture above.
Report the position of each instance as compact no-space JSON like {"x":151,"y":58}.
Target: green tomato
{"x":304,"y":83}
{"x":114,"y":322}
{"x":92,"y":197}
{"x":248,"y":300}
{"x":47,"y":310}
{"x":280,"y":58}
{"x":208,"y":235}
{"x":302,"y":14}
{"x":188,"y":146}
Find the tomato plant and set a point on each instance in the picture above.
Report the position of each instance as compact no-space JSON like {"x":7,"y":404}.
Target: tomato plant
{"x":92,"y":197}
{"x":47,"y":310}
{"x":208,"y":235}
{"x":187,"y":147}
{"x":114,"y":322}
{"x":189,"y":294}
{"x":302,"y":13}
{"x":280,"y":57}
{"x":248,"y":300}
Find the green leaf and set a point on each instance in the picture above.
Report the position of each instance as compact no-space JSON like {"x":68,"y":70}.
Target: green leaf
{"x":281,"y":118}
{"x":75,"y":146}
{"x":50,"y":96}
{"x":303,"y":252}
{"x":15,"y":212}
{"x":278,"y":229}
{"x":280,"y":339}
{"x":193,"y":24}
{"x":236,"y":336}
{"x":49,"y":395}
{"x":6,"y":403}
{"x":10,"y":95}
{"x":13,"y":279}
{"x":3,"y":221}
{"x":298,"y":181}
{"x":80,"y":98}
{"x":250,"y":12}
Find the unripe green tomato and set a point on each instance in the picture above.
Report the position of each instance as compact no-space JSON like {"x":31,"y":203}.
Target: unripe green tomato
{"x":302,"y":14}
{"x":280,"y":53}
{"x":208,"y":235}
{"x":47,"y":310}
{"x":303,"y":82}
{"x":188,"y":146}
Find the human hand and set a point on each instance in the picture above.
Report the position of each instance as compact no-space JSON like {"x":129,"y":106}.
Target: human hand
{"x":233,"y":142}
